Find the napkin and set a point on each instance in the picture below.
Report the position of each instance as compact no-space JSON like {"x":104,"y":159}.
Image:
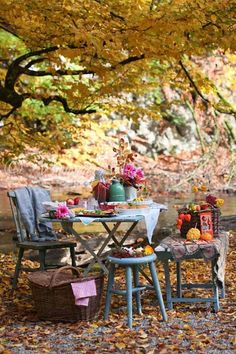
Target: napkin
{"x":83,"y":291}
{"x":86,"y":220}
{"x":151,"y":216}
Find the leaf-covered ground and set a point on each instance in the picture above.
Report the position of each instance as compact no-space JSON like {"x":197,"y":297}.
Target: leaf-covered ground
{"x":190,"y":328}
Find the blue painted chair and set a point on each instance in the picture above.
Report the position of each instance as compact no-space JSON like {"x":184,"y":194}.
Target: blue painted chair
{"x":131,"y":265}
{"x":25,"y":243}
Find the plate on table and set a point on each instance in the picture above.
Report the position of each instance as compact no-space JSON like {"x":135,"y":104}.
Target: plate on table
{"x":131,"y":211}
{"x":96,"y":213}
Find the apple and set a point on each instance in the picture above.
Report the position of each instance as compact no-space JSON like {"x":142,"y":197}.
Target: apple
{"x":187,"y":217}
{"x":70,"y":201}
{"x":76,"y":200}
{"x":182,"y":216}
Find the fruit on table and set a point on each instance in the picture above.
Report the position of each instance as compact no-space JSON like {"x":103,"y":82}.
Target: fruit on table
{"x":179,"y":223}
{"x":206,"y":236}
{"x":70,"y":201}
{"x":211,"y":199}
{"x":148,"y":250}
{"x":76,"y":200}
{"x":182,"y":216}
{"x":204,"y":206}
{"x":193,"y":234}
{"x":194,"y":189}
{"x":219,"y":202}
{"x":196,"y":207}
{"x":187,"y":217}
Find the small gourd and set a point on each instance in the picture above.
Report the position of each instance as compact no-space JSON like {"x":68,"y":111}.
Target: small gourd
{"x":148,"y":250}
{"x":193,"y":234}
{"x":206,"y":236}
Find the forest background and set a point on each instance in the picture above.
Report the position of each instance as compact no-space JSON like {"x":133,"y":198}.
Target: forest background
{"x":76,"y":77}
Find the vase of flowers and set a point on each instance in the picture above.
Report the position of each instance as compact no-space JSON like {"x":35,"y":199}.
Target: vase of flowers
{"x":116,"y":192}
{"x":130,"y":193}
{"x":131,"y":177}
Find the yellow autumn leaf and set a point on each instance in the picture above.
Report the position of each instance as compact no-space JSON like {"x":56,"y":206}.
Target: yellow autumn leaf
{"x":120,"y":345}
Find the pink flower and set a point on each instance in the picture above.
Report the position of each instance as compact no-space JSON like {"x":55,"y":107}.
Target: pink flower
{"x":129,"y":170}
{"x":139,"y":175}
{"x":62,"y":211}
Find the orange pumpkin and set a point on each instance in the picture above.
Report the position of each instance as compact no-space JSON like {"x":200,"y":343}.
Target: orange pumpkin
{"x":148,"y":250}
{"x":206,"y":236}
{"x":193,"y":234}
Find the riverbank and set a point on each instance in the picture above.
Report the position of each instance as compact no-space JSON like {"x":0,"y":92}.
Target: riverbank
{"x":164,"y":173}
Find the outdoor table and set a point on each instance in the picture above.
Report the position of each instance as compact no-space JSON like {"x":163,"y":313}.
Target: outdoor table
{"x":178,"y":249}
{"x":115,"y":221}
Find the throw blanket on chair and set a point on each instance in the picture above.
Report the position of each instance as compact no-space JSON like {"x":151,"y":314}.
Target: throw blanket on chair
{"x":29,"y":201}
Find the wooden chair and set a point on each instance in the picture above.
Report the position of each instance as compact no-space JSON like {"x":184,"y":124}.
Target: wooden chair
{"x":25,"y":243}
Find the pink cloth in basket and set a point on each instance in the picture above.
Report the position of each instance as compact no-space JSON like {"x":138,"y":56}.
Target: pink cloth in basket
{"x":83,"y":291}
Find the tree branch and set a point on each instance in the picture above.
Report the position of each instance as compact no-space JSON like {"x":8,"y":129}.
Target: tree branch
{"x":192,"y":82}
{"x":130,"y":60}
{"x":218,"y":109}
{"x":58,"y":72}
{"x":4,"y":116}
{"x":48,"y":100}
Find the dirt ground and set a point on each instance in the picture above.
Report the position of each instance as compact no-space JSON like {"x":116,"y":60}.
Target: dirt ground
{"x":191,"y":328}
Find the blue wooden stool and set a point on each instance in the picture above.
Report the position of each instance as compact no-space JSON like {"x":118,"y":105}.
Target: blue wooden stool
{"x":132,"y":265}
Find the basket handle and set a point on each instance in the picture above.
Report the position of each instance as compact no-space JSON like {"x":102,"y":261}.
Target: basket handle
{"x":59,"y":270}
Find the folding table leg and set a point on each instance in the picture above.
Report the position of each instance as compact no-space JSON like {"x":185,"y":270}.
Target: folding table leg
{"x":69,"y":228}
{"x":126,"y":235}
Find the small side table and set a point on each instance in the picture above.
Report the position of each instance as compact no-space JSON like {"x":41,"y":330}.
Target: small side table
{"x":165,"y":257}
{"x":131,"y":265}
{"x":175,"y":249}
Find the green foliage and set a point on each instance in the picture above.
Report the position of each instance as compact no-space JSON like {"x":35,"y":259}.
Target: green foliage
{"x":66,"y":60}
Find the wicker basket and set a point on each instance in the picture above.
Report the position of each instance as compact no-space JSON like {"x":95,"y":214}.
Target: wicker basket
{"x":195,"y":221}
{"x":54,"y":299}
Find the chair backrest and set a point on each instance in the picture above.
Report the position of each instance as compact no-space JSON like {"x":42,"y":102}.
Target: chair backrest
{"x":21,"y":232}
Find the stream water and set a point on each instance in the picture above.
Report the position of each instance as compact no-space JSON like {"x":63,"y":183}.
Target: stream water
{"x":166,"y":219}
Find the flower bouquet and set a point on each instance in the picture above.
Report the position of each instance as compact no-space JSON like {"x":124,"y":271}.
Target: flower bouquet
{"x":130,"y":176}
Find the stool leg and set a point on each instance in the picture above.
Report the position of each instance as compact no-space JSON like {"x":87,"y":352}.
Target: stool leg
{"x":215,"y":289}
{"x":136,"y":284}
{"x":222,"y":295}
{"x":129,"y":295}
{"x":168,"y":285}
{"x":72,"y":256}
{"x":17,"y":268}
{"x":179,"y":279}
{"x":157,"y":288}
{"x":111,"y":277}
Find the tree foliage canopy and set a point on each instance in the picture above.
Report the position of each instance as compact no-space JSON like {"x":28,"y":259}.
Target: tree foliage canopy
{"x":79,"y":54}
